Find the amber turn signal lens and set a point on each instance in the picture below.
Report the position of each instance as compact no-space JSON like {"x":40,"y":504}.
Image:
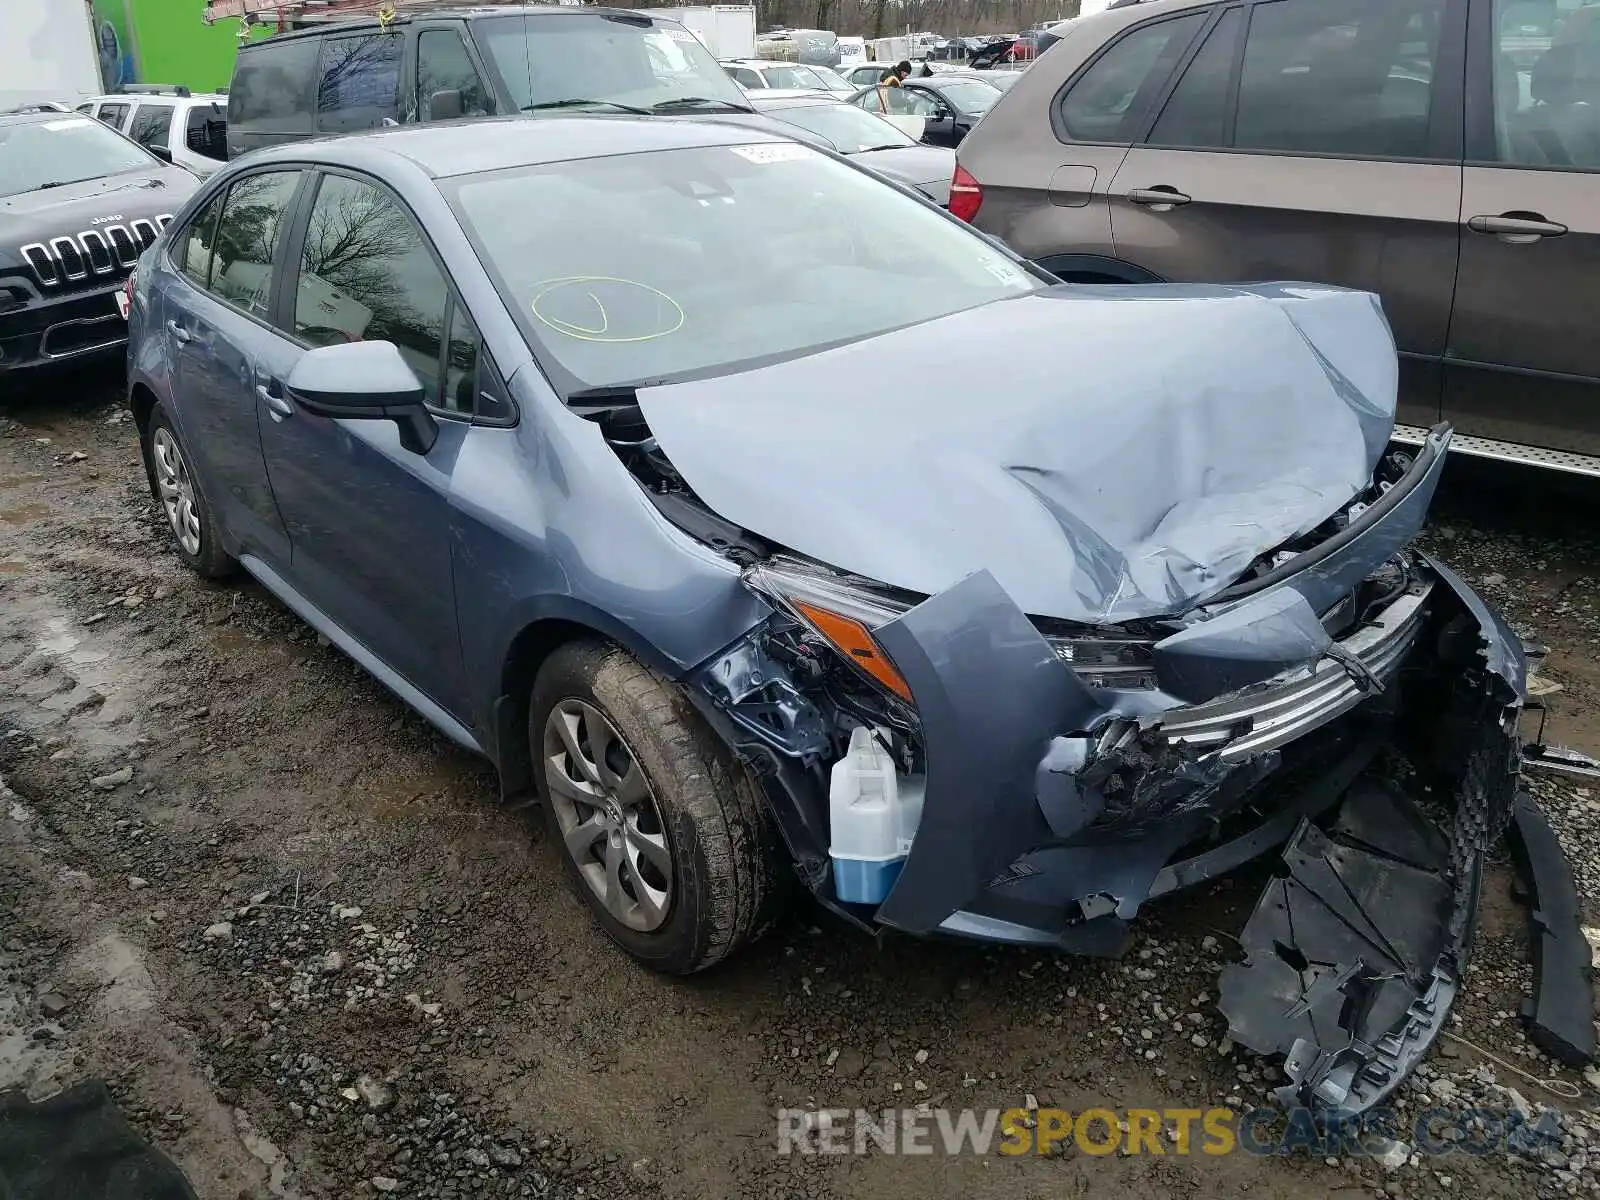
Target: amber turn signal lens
{"x":854,"y":641}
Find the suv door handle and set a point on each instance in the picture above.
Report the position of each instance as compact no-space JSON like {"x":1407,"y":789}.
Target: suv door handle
{"x":179,"y":332}
{"x":278,"y":407}
{"x":1517,"y":228}
{"x":1160,"y":198}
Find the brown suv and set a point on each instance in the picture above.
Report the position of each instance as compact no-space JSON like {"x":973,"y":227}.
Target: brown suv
{"x":1442,"y":153}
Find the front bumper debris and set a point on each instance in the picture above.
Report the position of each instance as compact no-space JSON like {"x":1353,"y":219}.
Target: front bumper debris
{"x":1358,"y":707}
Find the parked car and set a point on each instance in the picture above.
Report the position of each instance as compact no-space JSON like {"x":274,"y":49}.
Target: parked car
{"x":78,"y":204}
{"x":755,"y":74}
{"x":1374,"y":146}
{"x":951,"y":105}
{"x":1001,"y":655}
{"x":171,"y":122}
{"x":870,"y":141}
{"x":865,"y":74}
{"x":362,"y":73}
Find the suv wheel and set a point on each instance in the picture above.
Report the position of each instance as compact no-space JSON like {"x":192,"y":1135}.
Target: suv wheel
{"x":194,"y":529}
{"x":662,"y":832}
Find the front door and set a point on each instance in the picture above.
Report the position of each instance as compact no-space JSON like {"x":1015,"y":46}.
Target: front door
{"x":1524,"y":364}
{"x":368,"y":519}
{"x":1317,"y":141}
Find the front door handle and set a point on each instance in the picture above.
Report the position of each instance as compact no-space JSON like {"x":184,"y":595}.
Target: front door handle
{"x":1517,"y":228}
{"x":1158,"y":199}
{"x":277,"y":405}
{"x":179,"y":332}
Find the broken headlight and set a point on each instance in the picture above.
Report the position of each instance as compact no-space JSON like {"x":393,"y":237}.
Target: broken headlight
{"x":838,"y":610}
{"x":843,"y":610}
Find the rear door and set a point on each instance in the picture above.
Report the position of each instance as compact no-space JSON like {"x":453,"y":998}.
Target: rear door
{"x":218,"y":310}
{"x":1315,"y":140}
{"x":1524,"y":362}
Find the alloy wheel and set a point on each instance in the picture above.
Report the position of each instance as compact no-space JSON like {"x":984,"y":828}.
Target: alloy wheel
{"x":607,"y":812}
{"x":176,"y":489}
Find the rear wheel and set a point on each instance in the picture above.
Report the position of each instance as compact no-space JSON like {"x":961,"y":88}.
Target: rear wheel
{"x":189,"y":517}
{"x":662,"y":832}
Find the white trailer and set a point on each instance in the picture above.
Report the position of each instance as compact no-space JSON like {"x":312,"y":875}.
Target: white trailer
{"x":727,"y":30}
{"x":48,"y":53}
{"x":890,"y":49}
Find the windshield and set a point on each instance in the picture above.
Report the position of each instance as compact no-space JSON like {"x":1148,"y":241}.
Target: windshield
{"x":849,"y":128}
{"x":679,"y":263}
{"x":971,"y":96}
{"x":546,"y":59}
{"x":833,"y":80}
{"x":38,"y":154}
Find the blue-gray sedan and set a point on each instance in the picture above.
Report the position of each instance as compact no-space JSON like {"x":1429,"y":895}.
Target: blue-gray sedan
{"x":556,"y":426}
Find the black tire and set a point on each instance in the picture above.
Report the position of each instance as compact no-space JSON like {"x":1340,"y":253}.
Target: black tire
{"x":208,"y":559}
{"x":715,"y":824}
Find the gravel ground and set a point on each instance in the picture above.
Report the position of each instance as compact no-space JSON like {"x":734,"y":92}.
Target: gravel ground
{"x":292,"y":928}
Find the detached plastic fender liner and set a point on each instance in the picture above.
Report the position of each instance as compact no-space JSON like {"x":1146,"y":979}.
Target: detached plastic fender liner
{"x":991,"y":694}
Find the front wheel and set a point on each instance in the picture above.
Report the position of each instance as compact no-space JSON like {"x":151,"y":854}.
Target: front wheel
{"x":661,"y":830}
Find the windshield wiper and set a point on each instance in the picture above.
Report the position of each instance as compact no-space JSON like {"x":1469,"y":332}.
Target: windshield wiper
{"x":885,"y":146}
{"x":55,"y":183}
{"x":581,"y":102}
{"x":698,"y":102}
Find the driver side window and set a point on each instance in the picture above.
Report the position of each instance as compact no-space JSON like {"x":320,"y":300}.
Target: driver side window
{"x":367,"y":275}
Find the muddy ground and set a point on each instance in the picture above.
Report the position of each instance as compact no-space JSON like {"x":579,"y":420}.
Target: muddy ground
{"x":314,"y":958}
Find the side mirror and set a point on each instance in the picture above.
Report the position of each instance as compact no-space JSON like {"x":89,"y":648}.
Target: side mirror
{"x":364,"y":381}
{"x":445,"y":105}
{"x":161,"y":152}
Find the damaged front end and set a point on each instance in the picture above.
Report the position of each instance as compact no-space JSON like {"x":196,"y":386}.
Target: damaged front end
{"x":951,"y":764}
{"x":1352,"y":701}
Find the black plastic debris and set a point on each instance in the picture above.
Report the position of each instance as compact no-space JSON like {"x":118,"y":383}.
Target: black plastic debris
{"x":77,"y":1145}
{"x":1352,"y":956}
{"x":1559,"y":1015}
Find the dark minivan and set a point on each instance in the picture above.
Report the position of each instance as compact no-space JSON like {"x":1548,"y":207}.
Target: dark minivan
{"x":344,"y":76}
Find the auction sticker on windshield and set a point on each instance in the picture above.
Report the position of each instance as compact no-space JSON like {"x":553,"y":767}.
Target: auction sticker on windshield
{"x":67,"y":123}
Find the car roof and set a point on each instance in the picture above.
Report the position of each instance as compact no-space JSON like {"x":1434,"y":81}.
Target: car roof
{"x":38,"y":118}
{"x":160,"y":98}
{"x":446,"y":148}
{"x":760,"y":62}
{"x":402,"y":16}
{"x":790,"y":98}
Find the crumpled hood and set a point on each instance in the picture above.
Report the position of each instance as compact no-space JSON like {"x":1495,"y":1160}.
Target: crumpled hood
{"x":1106,"y":453}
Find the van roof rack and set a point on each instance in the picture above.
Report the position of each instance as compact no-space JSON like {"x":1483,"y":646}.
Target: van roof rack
{"x":156,"y":89}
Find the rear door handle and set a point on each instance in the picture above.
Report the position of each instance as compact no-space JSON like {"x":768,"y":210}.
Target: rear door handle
{"x":179,"y":332}
{"x":1517,"y":228}
{"x":278,"y":406}
{"x":1158,"y":199}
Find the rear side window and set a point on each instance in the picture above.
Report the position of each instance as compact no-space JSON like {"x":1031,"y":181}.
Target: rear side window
{"x":272,"y":86}
{"x":1109,"y":101}
{"x":192,"y":255}
{"x":151,"y":124}
{"x":113,"y":114}
{"x":1197,"y":113}
{"x":206,"y":132}
{"x":358,"y":83}
{"x":254,"y":217}
{"x":1339,"y":77}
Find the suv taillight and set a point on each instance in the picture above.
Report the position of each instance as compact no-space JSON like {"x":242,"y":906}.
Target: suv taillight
{"x":966,"y":194}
